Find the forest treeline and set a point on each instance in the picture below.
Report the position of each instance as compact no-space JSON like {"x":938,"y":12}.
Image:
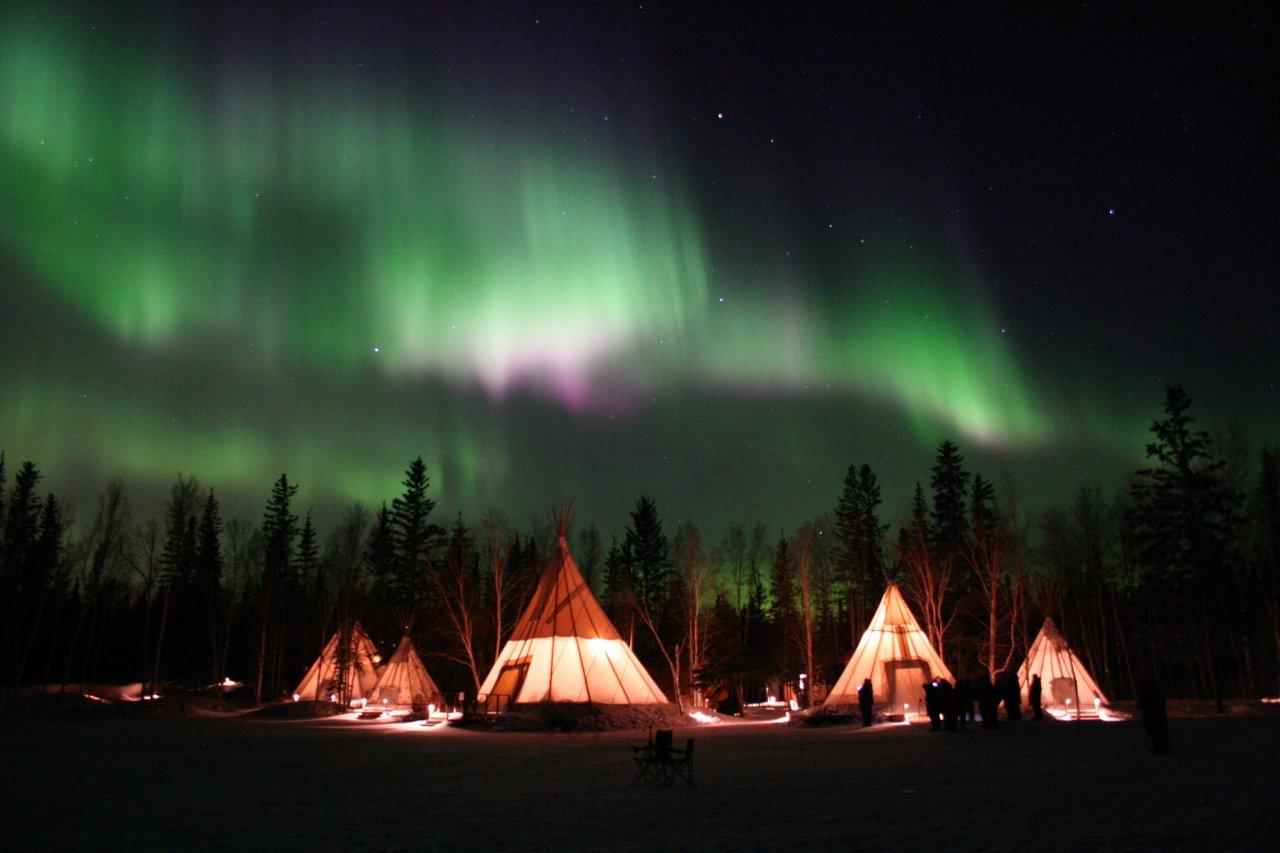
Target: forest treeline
{"x":1177,"y":578}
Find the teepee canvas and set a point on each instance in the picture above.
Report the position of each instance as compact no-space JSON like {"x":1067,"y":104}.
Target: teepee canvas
{"x":895,"y":654}
{"x":565,"y":649}
{"x":405,"y":682}
{"x":322,"y":682}
{"x":1064,"y":682}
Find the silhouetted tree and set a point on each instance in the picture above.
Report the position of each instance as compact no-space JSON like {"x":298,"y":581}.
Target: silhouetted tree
{"x":860,"y":536}
{"x":646,"y":553}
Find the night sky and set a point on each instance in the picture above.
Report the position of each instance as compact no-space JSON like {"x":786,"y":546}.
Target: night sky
{"x":596,"y":253}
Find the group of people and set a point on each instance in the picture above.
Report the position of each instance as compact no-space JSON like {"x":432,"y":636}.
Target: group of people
{"x":968,"y":701}
{"x":950,"y":705}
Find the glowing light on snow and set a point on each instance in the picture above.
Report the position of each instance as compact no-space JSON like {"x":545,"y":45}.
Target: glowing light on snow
{"x":296,"y":697}
{"x":701,"y":717}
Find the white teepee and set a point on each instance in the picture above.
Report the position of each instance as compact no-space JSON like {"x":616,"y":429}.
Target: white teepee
{"x":405,"y":682}
{"x":895,"y":654}
{"x":321,"y":680}
{"x":565,"y":649}
{"x":1064,"y":682}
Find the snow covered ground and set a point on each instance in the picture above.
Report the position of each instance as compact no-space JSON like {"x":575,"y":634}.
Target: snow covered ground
{"x":339,"y":784}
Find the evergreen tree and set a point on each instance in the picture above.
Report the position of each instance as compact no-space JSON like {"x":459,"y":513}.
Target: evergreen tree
{"x":208,"y":582}
{"x":2,"y":488}
{"x":22,"y":519}
{"x":209,"y":562}
{"x":647,"y":555}
{"x":859,"y":545}
{"x":1181,"y":520}
{"x":950,"y":484}
{"x":380,"y":554}
{"x":783,"y":611}
{"x":981,"y":509}
{"x":416,"y":537}
{"x":279,"y":530}
{"x":307,"y":560}
{"x":619,"y":588}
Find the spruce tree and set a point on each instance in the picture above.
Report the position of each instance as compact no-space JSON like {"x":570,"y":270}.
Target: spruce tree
{"x":1181,"y":521}
{"x":950,"y":484}
{"x":647,"y":555}
{"x":279,"y":531}
{"x":859,"y":544}
{"x":619,"y":589}
{"x":416,"y":537}
{"x":209,"y":561}
{"x":981,"y":509}
{"x":307,"y":560}
{"x":21,"y":524}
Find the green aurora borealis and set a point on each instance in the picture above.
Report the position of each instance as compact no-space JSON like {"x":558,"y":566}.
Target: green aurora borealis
{"x":234,"y":267}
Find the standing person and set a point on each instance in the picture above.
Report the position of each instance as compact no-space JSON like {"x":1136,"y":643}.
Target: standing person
{"x":947,"y":704}
{"x":988,"y":702}
{"x":1033,"y":697}
{"x":1155,"y":715}
{"x":866,"y":702}
{"x":931,"y":706}
{"x":1012,"y":695}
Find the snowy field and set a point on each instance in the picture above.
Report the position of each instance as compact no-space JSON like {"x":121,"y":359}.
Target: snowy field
{"x":336,"y":784}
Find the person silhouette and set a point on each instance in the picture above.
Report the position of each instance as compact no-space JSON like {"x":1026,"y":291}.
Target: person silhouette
{"x":933,"y":705}
{"x":866,"y":702}
{"x":1033,"y":698}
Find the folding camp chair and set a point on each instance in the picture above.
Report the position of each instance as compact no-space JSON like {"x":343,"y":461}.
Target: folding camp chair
{"x":681,"y":766}
{"x":658,"y":762}
{"x":652,"y":757}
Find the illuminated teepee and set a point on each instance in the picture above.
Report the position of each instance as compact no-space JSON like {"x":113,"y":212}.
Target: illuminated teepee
{"x":322,"y":682}
{"x":405,"y":682}
{"x":1065,"y":683}
{"x":565,"y":649}
{"x":895,"y":654}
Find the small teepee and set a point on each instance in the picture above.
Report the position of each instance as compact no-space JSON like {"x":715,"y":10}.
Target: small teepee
{"x":1064,"y":682}
{"x":322,"y":682}
{"x":895,"y":654}
{"x":565,"y":649}
{"x":405,"y":682}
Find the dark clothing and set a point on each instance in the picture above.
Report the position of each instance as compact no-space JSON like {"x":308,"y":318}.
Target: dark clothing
{"x":988,"y":703}
{"x":1011,"y":693}
{"x":866,"y":703}
{"x":946,"y":703}
{"x":1033,"y":697}
{"x":932,"y":706}
{"x":1155,"y":716}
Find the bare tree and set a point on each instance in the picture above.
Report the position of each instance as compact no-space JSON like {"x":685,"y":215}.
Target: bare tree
{"x":144,"y":560}
{"x":456,"y":582}
{"x":806,"y":544}
{"x":695,"y":573}
{"x":928,"y":582}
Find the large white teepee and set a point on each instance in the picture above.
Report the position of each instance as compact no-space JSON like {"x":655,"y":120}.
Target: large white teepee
{"x":895,"y":654}
{"x":405,"y":682}
{"x":565,"y":649}
{"x":321,"y":681}
{"x":1062,"y":675}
